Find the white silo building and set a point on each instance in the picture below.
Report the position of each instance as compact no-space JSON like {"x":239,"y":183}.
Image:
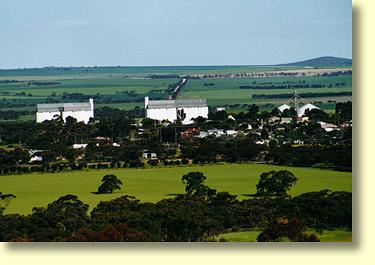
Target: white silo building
{"x":185,"y":109}
{"x":81,"y":111}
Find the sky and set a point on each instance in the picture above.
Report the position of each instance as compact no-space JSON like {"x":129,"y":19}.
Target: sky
{"x":39,"y":33}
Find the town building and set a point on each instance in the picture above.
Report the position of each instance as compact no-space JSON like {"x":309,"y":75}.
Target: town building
{"x":171,"y":110}
{"x":81,"y":111}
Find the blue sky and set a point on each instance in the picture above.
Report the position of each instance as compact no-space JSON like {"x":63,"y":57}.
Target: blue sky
{"x":37,"y":33}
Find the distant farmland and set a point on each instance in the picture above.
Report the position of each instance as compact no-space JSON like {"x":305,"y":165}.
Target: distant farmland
{"x":125,"y":87}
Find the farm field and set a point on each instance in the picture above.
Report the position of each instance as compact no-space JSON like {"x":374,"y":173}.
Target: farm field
{"x":324,"y":236}
{"x":226,"y":90}
{"x":154,"y":184}
{"x":125,"y":87}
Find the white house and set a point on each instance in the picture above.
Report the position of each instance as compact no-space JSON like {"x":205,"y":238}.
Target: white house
{"x":147,"y":154}
{"x":79,"y":146}
{"x":328,"y":127}
{"x":81,"y":111}
{"x":185,"y":109}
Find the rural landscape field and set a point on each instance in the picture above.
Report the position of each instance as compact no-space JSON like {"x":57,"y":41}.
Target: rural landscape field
{"x":126,"y":87}
{"x":121,"y":140}
{"x":131,"y":121}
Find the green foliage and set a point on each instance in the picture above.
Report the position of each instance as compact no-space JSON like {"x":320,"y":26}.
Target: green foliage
{"x":194,"y":186}
{"x":109,"y":184}
{"x":283,"y":228}
{"x":5,"y":200}
{"x":60,"y":219}
{"x":275,"y":183}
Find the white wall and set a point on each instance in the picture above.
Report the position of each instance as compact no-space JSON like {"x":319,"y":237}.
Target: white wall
{"x":162,"y":114}
{"x":42,"y":116}
{"x":171,"y":114}
{"x":79,"y":115}
{"x":194,"y":113}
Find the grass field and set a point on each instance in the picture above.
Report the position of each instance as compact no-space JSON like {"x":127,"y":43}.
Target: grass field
{"x":154,"y":184}
{"x":325,"y":236}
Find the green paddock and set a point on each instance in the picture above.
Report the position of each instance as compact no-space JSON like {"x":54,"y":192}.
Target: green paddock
{"x":154,"y":184}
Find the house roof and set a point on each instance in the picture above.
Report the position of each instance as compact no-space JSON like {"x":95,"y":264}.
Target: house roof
{"x":177,"y":103}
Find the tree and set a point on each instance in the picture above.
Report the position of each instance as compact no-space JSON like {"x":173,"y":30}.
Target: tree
{"x":59,"y":220}
{"x":282,"y":228}
{"x":194,"y":185}
{"x":109,"y":184}
{"x":5,"y":200}
{"x":275,"y":183}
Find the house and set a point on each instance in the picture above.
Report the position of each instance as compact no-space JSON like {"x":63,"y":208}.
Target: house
{"x":231,"y":132}
{"x":216,"y":132}
{"x":328,"y":127}
{"x":286,"y":120}
{"x":82,"y":111}
{"x":299,"y":142}
{"x":79,"y":146}
{"x":273,"y":119}
{"x":148,"y":154}
{"x":188,"y":133}
{"x":171,"y":110}
{"x":35,"y":156}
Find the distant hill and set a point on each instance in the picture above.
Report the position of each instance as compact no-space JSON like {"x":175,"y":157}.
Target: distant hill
{"x":322,"y":61}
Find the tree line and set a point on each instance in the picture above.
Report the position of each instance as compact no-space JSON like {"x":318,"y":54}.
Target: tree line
{"x":199,"y":214}
{"x":304,"y":95}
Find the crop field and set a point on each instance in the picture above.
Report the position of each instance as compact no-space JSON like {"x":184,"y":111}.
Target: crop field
{"x":324,"y":236}
{"x":125,"y":87}
{"x":154,"y":184}
{"x":222,"y":91}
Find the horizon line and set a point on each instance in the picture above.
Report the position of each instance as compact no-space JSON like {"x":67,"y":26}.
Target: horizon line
{"x":187,"y":65}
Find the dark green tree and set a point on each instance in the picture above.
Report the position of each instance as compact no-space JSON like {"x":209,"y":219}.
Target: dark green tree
{"x":275,"y":183}
{"x":195,"y":187}
{"x":5,"y":200}
{"x":109,"y":184}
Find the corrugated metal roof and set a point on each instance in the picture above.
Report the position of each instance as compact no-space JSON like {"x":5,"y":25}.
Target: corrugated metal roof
{"x":57,"y":107}
{"x":177,"y":103}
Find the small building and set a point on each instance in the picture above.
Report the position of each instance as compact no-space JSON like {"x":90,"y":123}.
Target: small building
{"x":149,"y":155}
{"x":231,"y":132}
{"x":82,"y":111}
{"x":273,"y":119}
{"x":286,"y":120}
{"x":299,"y":142}
{"x":216,"y":132}
{"x":171,"y":110}
{"x":79,"y":146}
{"x":328,"y":127}
{"x":35,"y":159}
{"x":36,"y":156}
